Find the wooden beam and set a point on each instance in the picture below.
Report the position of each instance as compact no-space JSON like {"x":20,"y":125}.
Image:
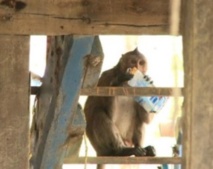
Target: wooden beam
{"x":59,"y":49}
{"x":123,"y":160}
{"x":198,"y":108}
{"x":127,"y":91}
{"x":86,"y":17}
{"x":61,"y":126}
{"x":57,"y":56}
{"x":14,"y":92}
{"x":93,"y":64}
{"x":122,"y":91}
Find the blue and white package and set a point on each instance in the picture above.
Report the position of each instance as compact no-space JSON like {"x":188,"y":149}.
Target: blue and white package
{"x":150,"y":104}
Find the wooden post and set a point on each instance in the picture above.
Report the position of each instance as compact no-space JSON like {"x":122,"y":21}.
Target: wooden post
{"x":14,"y":92}
{"x":61,"y":125}
{"x":197,"y":30}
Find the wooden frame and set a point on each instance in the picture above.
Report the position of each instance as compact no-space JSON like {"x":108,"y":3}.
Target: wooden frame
{"x":124,"y":160}
{"x":91,"y":17}
{"x":14,"y":92}
{"x":197,"y":32}
{"x":86,"y":17}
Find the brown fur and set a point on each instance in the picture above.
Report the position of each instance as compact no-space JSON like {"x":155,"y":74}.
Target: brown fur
{"x":114,"y":124}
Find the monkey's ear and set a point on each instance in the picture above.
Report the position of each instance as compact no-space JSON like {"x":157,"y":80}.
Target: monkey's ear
{"x":136,"y":50}
{"x":122,"y":56}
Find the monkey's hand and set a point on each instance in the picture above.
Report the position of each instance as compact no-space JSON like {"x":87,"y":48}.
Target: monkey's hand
{"x":150,"y":151}
{"x":125,"y":77}
{"x":121,"y":78}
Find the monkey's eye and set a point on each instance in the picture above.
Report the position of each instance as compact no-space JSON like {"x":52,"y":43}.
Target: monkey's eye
{"x":142,"y":62}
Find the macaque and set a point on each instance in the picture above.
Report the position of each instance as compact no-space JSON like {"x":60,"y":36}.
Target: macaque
{"x":114,"y":124}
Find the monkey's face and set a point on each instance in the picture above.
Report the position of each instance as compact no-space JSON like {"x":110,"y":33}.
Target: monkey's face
{"x":133,"y":59}
{"x":142,"y":65}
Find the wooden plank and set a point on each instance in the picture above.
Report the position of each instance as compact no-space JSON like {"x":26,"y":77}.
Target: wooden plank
{"x":198,"y":108}
{"x":122,"y":91}
{"x":14,"y":92}
{"x":59,"y":49}
{"x":124,"y":160}
{"x":86,"y":17}
{"x":57,"y":56}
{"x":93,"y":65}
{"x":127,"y":91}
{"x":74,"y":140}
{"x":60,"y":127}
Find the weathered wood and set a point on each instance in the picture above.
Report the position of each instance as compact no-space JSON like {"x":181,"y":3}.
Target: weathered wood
{"x":127,"y":91}
{"x":76,"y":131}
{"x":57,"y":56}
{"x":93,"y":64}
{"x":59,"y":49}
{"x":14,"y":92}
{"x":60,"y":127}
{"x":86,"y":17}
{"x":124,"y":160}
{"x":198,"y":108}
{"x":124,"y":91}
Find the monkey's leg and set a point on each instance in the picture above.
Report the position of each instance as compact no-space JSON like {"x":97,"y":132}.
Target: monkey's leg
{"x":137,"y":140}
{"x":106,"y":139}
{"x":103,"y":134}
{"x":142,"y":118}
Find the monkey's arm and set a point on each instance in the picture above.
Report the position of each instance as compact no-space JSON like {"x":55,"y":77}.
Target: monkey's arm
{"x":120,"y":79}
{"x":113,"y":77}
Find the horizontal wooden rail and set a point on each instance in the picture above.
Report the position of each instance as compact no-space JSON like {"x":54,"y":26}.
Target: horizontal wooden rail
{"x":123,"y":160}
{"x":89,"y":17}
{"x":122,"y":91}
{"x":128,"y":91}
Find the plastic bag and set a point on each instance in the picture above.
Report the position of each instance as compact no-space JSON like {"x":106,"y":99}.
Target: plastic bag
{"x":150,"y":103}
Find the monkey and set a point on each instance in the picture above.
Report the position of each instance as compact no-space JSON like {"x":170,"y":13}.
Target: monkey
{"x":114,"y":123}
